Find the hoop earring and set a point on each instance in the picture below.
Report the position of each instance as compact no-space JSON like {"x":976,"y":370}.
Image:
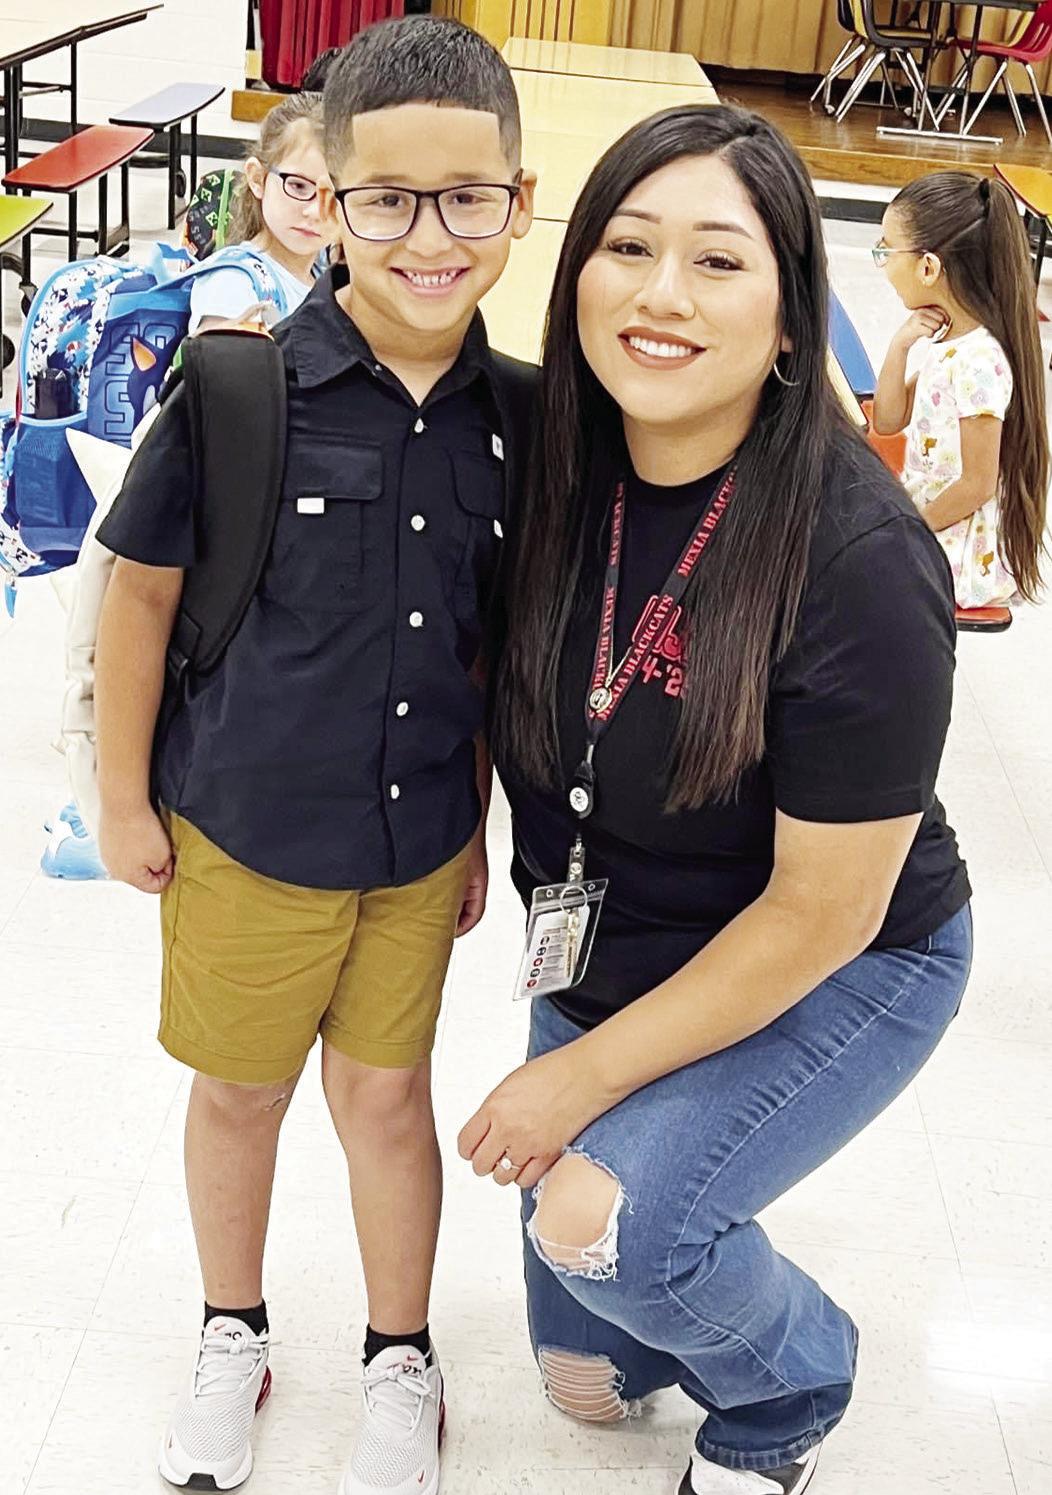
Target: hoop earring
{"x":786,"y":383}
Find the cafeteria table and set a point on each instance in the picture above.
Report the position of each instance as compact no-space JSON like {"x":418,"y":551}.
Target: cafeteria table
{"x":582,"y":60}
{"x":571,"y":120}
{"x":32,"y":29}
{"x":598,"y":108}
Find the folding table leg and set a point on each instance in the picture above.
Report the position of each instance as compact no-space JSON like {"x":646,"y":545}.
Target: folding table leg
{"x":73,"y":83}
{"x":173,"y":171}
{"x":191,"y":186}
{"x":121,"y":236}
{"x":104,"y":213}
{"x":12,"y":118}
{"x":74,"y":237}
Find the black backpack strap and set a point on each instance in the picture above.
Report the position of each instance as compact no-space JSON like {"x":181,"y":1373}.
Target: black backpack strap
{"x":237,"y":413}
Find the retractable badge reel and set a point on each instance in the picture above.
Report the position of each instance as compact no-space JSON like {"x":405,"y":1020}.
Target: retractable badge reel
{"x":564,"y":916}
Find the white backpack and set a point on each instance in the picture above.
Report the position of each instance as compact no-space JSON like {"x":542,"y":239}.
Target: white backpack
{"x":104,"y":466}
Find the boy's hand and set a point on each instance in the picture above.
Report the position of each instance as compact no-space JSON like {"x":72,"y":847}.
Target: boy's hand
{"x":135,"y":849}
{"x":926,"y":321}
{"x":476,"y":886}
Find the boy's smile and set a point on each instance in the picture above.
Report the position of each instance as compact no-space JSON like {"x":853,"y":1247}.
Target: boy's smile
{"x":427,"y":285}
{"x":432,"y":283}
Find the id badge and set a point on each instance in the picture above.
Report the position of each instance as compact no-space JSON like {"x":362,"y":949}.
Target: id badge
{"x":560,"y":935}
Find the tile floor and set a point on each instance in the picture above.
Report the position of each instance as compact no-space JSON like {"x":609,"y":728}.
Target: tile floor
{"x":934,"y":1228}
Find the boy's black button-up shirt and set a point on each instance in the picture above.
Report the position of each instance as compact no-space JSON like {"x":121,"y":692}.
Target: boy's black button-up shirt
{"x":333,"y":747}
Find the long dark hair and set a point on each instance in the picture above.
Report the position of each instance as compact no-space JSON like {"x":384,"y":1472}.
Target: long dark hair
{"x":971,"y":223}
{"x":743,"y":601}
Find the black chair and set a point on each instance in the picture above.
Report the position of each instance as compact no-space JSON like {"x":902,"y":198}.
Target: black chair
{"x":883,"y":44}
{"x":849,"y":53}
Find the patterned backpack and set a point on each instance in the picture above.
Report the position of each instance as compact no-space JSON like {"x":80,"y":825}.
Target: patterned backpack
{"x":112,"y":331}
{"x":208,"y":216}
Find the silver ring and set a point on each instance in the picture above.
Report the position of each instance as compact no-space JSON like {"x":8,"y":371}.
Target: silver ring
{"x":506,"y":1163}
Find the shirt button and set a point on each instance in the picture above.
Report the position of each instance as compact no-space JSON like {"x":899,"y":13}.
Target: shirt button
{"x":395,"y":791}
{"x":416,"y":620}
{"x":419,"y":427}
{"x":402,"y":709}
{"x":418,"y":522}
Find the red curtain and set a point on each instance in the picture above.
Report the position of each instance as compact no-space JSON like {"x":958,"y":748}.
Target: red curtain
{"x":297,"y":31}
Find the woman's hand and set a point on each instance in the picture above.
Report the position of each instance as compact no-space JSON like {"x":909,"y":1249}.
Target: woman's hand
{"x":926,"y":321}
{"x":531,"y":1117}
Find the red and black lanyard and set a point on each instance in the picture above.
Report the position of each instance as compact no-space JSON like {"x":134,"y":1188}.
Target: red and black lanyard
{"x":611,"y":683}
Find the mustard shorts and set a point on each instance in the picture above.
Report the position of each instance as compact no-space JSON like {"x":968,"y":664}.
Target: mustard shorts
{"x":255,"y":969}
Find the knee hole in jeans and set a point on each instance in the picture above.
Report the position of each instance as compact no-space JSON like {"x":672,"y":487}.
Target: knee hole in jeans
{"x":586,"y":1387}
{"x":575,"y":1227}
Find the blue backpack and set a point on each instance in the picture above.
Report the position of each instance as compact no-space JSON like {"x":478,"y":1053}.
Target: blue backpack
{"x":114,"y":329}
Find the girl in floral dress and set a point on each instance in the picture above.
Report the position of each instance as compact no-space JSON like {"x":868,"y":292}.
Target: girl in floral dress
{"x":977,"y":460}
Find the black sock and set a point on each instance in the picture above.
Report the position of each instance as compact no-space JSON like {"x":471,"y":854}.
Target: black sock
{"x":375,"y":1344}
{"x":255,"y":1318}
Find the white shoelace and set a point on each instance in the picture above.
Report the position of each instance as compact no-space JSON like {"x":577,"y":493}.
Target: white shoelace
{"x":227,"y":1363}
{"x":396,"y":1396}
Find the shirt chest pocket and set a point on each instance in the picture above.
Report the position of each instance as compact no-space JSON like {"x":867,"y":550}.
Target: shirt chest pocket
{"x":479,"y":485}
{"x":324,"y":542}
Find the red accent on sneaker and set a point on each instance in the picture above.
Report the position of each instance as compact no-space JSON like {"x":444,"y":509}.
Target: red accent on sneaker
{"x":264,"y":1390}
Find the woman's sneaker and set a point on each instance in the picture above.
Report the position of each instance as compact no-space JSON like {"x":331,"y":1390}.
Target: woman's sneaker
{"x":705,"y":1478}
{"x":397,"y":1448}
{"x":207,"y":1444}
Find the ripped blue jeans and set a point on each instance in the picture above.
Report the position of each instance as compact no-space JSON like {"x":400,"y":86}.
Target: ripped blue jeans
{"x":686,"y":1289}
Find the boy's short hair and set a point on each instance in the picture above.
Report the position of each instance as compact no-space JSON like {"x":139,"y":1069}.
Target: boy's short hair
{"x":418,"y":60}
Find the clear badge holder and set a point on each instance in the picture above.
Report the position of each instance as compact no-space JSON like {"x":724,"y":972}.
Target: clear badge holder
{"x":559,"y":937}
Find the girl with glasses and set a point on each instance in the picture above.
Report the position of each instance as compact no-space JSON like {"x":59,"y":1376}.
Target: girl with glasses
{"x":973,"y":407}
{"x":275,"y":215}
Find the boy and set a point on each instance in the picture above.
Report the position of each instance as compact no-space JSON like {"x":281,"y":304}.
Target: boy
{"x":321,"y":838}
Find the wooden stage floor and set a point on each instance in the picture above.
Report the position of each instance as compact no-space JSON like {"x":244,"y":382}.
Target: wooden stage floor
{"x":854,"y":152}
{"x":847,"y":152}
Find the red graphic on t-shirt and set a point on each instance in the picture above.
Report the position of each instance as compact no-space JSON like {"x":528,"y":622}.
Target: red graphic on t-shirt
{"x":665,"y":662}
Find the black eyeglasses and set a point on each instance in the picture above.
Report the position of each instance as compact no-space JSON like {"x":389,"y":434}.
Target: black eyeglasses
{"x":474,"y":210}
{"x":299,"y":188}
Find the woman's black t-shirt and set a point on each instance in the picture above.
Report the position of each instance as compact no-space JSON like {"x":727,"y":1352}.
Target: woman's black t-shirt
{"x":856,"y":722}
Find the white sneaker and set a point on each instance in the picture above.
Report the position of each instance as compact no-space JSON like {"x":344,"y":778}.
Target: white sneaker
{"x":206,"y":1446}
{"x":397,"y":1448}
{"x":705,"y":1478}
